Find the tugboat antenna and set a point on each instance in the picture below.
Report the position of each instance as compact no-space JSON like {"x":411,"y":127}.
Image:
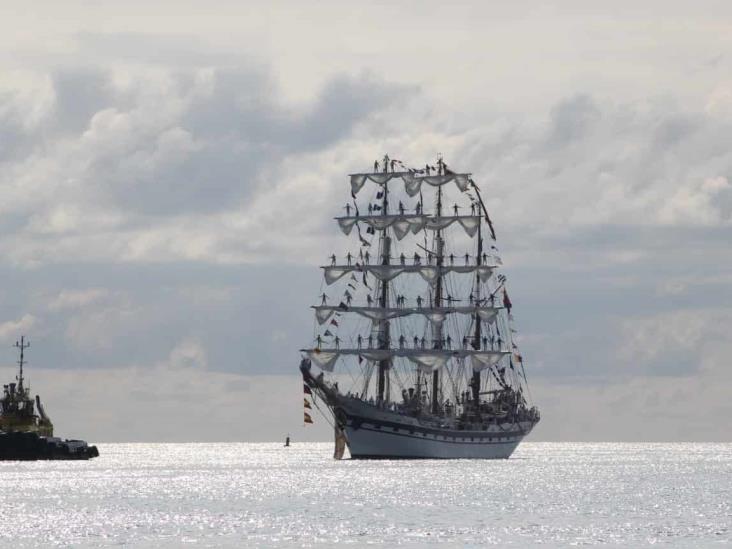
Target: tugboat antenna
{"x":22,"y":346}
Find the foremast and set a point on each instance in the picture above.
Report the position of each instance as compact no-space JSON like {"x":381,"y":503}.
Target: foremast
{"x":384,"y":328}
{"x":437,"y":328}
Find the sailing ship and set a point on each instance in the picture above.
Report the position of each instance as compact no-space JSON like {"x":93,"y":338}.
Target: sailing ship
{"x":418,"y":358}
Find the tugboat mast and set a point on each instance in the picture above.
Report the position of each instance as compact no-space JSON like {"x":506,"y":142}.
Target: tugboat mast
{"x":22,"y":345}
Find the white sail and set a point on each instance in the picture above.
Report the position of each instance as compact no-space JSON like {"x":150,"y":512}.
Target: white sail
{"x":403,"y":224}
{"x":427,"y":359}
{"x":412,"y":183}
{"x":435,"y":314}
{"x":430,"y":273}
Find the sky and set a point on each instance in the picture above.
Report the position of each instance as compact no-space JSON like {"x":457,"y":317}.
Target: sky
{"x":169,"y":173}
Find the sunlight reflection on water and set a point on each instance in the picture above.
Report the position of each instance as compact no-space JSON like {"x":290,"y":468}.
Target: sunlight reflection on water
{"x":265,"y":495}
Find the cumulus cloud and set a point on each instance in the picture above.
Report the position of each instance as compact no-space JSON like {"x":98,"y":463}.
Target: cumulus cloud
{"x":159,"y":191}
{"x":15,"y":328}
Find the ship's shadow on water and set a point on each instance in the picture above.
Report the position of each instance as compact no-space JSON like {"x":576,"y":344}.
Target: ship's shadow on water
{"x":234,"y":495}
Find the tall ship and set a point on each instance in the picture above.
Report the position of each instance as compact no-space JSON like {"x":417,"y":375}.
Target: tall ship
{"x":414,"y":353}
{"x":26,"y":431}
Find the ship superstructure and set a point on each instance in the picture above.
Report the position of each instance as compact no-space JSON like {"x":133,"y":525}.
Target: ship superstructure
{"x":19,"y":412}
{"x":415,"y":343}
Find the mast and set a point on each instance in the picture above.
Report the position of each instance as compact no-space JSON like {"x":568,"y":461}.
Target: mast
{"x":22,"y":346}
{"x":475,"y":382}
{"x":384,"y":327}
{"x":437,"y":331}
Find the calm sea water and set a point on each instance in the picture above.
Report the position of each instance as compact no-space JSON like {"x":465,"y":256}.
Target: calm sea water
{"x":249,"y":495}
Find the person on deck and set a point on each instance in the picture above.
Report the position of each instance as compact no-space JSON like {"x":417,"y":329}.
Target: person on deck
{"x":423,"y":341}
{"x":332,"y":260}
{"x":324,"y":299}
{"x":467,"y":258}
{"x":348,"y":210}
{"x":416,"y":258}
{"x":376,"y":166}
{"x":349,"y":298}
{"x":367,"y":256}
{"x":402,"y":259}
{"x":470,"y":298}
{"x":485,"y":258}
{"x":319,"y":340}
{"x":359,"y":340}
{"x":401,"y":341}
{"x":371,"y":209}
{"x":419,"y":301}
{"x":401,"y":208}
{"x":455,"y":209}
{"x":465,"y":342}
{"x":452,"y":259}
{"x":416,"y":341}
{"x":371,"y":341}
{"x":472,"y":208}
{"x":337,"y":342}
{"x":349,"y":257}
{"x":449,"y":342}
{"x":418,"y":208}
{"x":485,"y":342}
{"x":429,"y":258}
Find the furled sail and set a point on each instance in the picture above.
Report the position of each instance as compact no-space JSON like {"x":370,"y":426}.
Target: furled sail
{"x":406,"y":223}
{"x":436,"y":315}
{"x":430,"y":273}
{"x":412,"y":182}
{"x":426,"y":359}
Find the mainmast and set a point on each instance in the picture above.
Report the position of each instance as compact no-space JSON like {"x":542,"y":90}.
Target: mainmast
{"x":475,"y":382}
{"x":384,"y":328}
{"x":22,"y":346}
{"x":437,"y":329}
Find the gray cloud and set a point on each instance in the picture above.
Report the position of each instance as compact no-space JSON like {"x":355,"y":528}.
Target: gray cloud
{"x":164,"y":201}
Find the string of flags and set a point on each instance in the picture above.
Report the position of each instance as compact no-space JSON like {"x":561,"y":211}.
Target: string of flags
{"x":307,"y":406}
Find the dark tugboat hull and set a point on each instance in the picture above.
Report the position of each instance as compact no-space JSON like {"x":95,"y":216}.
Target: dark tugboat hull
{"x":19,"y":446}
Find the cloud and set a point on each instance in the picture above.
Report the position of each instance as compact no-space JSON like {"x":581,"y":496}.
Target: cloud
{"x":77,"y":299}
{"x":164,"y":199}
{"x":15,"y":328}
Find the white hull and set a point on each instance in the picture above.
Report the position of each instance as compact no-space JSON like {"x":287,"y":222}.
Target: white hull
{"x":373,"y":433}
{"x":366,"y":443}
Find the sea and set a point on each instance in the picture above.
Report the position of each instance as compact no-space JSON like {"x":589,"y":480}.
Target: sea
{"x":266,"y":495}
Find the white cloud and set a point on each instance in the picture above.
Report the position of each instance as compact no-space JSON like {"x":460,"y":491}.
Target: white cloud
{"x":15,"y":328}
{"x":159,"y":190}
{"x":77,"y":299}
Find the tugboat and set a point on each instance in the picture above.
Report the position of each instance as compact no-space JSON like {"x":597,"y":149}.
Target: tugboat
{"x":26,"y":431}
